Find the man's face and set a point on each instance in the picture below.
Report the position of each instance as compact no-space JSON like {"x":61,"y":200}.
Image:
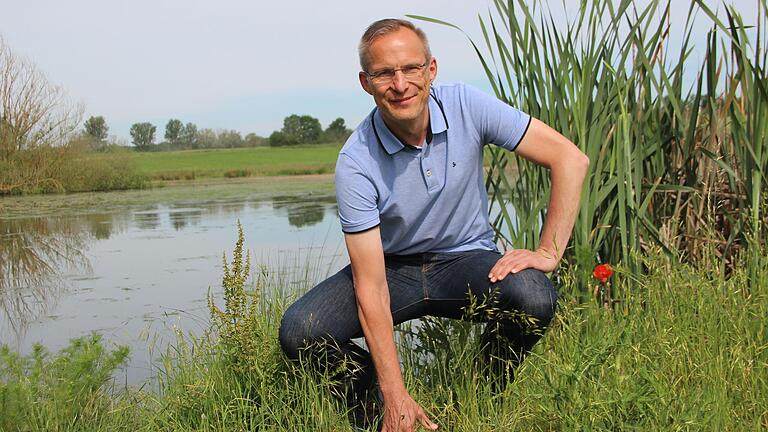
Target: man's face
{"x":403,"y":99}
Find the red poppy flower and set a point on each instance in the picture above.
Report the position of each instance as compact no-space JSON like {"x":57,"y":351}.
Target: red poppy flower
{"x":602,"y":272}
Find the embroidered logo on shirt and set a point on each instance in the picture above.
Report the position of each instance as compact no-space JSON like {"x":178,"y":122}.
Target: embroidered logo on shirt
{"x":454,"y":164}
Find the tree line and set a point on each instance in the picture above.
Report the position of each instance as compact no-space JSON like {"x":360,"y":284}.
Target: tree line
{"x":296,"y":130}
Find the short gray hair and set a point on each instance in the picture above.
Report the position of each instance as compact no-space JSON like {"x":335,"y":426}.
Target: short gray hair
{"x":385,"y":27}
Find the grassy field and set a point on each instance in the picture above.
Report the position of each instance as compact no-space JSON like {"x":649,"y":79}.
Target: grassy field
{"x":245,"y":162}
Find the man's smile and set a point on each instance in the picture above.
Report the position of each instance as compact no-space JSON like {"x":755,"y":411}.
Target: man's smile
{"x":402,"y":101}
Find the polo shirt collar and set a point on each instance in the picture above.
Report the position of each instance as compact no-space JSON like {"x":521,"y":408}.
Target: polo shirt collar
{"x":391,"y":143}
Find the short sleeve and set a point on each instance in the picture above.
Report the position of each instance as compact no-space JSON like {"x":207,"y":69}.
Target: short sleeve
{"x":356,"y":196}
{"x":497,"y":122}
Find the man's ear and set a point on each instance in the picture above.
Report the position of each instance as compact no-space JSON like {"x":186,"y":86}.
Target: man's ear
{"x":364,"y":83}
{"x":432,"y":69}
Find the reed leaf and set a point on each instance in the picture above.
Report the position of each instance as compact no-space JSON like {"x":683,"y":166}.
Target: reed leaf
{"x":674,"y":157}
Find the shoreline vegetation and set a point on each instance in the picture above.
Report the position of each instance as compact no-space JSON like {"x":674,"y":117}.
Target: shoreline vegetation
{"x":664,"y":358}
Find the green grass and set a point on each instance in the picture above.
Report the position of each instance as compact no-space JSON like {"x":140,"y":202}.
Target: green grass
{"x":257,"y":161}
{"x":687,"y":350}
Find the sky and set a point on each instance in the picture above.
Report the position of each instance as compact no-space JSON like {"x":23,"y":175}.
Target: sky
{"x":242,"y":65}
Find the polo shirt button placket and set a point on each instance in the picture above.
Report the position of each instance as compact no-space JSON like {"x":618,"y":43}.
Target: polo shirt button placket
{"x":430,"y":179}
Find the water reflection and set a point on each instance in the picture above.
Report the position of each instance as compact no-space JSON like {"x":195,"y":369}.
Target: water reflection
{"x":303,"y":211}
{"x":182,"y":215}
{"x":147,"y":219}
{"x":33,"y":252}
{"x":100,"y":225}
{"x":236,"y":207}
{"x":37,"y":255}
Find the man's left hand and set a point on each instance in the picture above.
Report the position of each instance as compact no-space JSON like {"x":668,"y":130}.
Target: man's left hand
{"x":520,"y":259}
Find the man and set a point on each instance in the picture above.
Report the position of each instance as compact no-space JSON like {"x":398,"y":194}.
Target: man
{"x":414,"y":211}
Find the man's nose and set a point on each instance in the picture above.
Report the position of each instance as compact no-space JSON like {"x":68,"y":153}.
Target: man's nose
{"x":399,"y":82}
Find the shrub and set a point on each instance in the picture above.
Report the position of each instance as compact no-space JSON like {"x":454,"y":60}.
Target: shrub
{"x":175,"y":175}
{"x":68,"y":168}
{"x":66,"y":391}
{"x":243,"y":172}
{"x":279,"y":139}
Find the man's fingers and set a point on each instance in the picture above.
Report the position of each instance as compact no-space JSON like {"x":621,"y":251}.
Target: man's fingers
{"x":512,"y":262}
{"x":426,"y":423}
{"x":506,"y":265}
{"x":500,"y":269}
{"x":406,"y":423}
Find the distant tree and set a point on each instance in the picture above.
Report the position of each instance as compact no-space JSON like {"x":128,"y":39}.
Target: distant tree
{"x":279,"y":139}
{"x":253,"y":140}
{"x":336,"y":132}
{"x":143,"y":135}
{"x":303,"y":129}
{"x":207,"y":138}
{"x":173,"y":131}
{"x":188,"y":136}
{"x":37,"y":120}
{"x":33,"y":111}
{"x":96,"y":128}
{"x":230,"y":139}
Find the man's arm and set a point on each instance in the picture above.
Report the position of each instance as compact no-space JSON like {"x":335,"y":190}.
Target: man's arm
{"x":367,"y":257}
{"x":568,"y":167}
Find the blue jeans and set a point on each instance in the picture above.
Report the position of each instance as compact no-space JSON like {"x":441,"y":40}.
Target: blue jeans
{"x":324,"y":320}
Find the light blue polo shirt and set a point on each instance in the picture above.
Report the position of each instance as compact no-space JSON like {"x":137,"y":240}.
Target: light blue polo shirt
{"x":431,"y":199}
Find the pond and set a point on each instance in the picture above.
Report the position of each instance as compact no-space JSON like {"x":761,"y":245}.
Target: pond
{"x":133,"y":266}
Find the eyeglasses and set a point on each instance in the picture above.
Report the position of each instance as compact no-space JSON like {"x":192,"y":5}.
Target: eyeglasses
{"x":386,"y":76}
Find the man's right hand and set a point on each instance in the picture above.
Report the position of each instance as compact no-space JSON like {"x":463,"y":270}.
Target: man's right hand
{"x":401,"y":413}
{"x":366,"y":255}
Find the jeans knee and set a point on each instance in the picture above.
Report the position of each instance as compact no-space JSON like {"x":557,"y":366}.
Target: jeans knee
{"x":543,"y":309}
{"x":544,"y":303}
{"x":291,"y":339}
{"x":537,"y":296}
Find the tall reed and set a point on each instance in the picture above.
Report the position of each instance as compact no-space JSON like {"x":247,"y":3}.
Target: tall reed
{"x":675,"y":159}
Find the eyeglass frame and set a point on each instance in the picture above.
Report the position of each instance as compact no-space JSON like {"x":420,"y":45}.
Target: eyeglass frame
{"x":374,"y":75}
